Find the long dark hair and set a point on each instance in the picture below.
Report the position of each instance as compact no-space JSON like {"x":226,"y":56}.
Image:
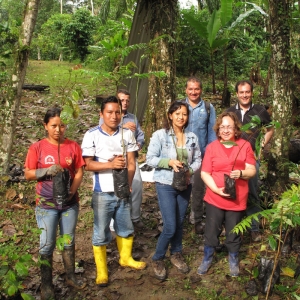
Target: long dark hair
{"x":173,"y":107}
{"x":51,"y":113}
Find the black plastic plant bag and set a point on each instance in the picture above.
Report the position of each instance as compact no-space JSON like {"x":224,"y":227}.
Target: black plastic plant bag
{"x":179,"y":179}
{"x":229,"y":184}
{"x":121,"y":185}
{"x":265,"y":274}
{"x":61,"y":187}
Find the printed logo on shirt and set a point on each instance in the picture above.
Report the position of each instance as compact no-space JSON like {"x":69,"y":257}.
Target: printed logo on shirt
{"x":68,"y":160}
{"x":49,"y":160}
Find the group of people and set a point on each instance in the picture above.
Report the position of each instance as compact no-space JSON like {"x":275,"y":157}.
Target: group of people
{"x":192,"y":144}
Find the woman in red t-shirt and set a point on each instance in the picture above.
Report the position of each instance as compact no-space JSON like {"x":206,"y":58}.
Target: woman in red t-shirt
{"x":236,"y":159}
{"x":53,"y":156}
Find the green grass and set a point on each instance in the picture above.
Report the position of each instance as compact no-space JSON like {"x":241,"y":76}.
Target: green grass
{"x":62,"y":76}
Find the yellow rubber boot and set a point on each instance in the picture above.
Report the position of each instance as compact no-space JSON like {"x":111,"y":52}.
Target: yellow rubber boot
{"x":101,"y":265}
{"x":125,"y":250}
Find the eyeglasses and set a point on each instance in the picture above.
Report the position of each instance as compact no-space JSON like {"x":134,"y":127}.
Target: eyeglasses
{"x":229,"y":128}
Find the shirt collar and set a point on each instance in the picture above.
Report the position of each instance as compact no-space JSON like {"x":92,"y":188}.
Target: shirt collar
{"x":105,"y":133}
{"x":239,"y":108}
{"x":198,"y":104}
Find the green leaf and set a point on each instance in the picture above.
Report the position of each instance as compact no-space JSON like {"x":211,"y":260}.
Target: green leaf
{"x":21,"y":269}
{"x":241,"y":17}
{"x":219,"y":43}
{"x":258,"y":8}
{"x":26,"y":257}
{"x":246,"y":127}
{"x":213,"y":26}
{"x":226,"y":11}
{"x":27,"y":296}
{"x":229,"y":143}
{"x":272,"y":242}
{"x":12,"y":290}
{"x":200,"y":27}
{"x":255,"y":272}
{"x":256,"y":119}
{"x":75,"y":95}
{"x":66,"y":114}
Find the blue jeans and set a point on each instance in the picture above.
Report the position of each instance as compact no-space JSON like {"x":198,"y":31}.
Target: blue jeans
{"x":107,"y":206}
{"x":253,"y":205}
{"x":173,"y":205}
{"x":49,"y":219}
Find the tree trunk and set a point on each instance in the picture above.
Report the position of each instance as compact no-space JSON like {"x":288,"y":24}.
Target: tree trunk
{"x":164,"y":15}
{"x":279,"y":11}
{"x":11,"y":103}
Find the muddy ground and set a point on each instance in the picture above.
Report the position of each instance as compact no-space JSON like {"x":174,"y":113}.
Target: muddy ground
{"x":125,"y":283}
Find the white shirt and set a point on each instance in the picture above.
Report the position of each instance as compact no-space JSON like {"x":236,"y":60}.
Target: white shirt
{"x":102,"y":147}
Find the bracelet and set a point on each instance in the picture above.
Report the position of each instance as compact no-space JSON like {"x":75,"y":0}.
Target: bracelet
{"x":241,"y":174}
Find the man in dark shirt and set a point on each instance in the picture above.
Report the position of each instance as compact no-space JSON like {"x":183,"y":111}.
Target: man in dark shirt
{"x":244,"y":110}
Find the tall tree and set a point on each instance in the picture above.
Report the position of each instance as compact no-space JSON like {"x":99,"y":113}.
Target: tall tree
{"x":279,"y":11}
{"x":163,"y":22}
{"x":11,"y":103}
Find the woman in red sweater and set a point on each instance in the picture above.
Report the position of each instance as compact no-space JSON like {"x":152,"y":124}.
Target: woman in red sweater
{"x":233,"y":156}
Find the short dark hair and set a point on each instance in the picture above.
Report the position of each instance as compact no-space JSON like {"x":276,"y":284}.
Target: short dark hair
{"x":51,"y":113}
{"x":109,"y":99}
{"x":243,"y":82}
{"x":173,"y":107}
{"x":123,"y":91}
{"x":193,"y":79}
{"x":233,"y":116}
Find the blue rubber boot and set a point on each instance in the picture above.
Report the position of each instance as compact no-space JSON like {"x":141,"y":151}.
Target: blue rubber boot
{"x":207,"y":260}
{"x":234,"y":269}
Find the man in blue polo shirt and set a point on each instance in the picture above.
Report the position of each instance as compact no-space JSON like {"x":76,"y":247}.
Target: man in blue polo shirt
{"x":202,"y":118}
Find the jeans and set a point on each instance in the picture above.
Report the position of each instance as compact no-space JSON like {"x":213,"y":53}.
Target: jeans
{"x":107,"y":206}
{"x":49,"y":219}
{"x":215,"y":217}
{"x":253,"y":205}
{"x":173,"y":205}
{"x":198,"y":193}
{"x":136,"y":195}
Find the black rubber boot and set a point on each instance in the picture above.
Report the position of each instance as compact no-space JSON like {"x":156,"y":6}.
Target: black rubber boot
{"x":68,"y":256}
{"x":47,"y":288}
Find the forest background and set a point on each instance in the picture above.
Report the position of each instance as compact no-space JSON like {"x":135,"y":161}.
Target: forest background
{"x":151,"y":47}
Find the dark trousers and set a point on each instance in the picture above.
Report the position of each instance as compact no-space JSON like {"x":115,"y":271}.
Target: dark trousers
{"x":198,"y":192}
{"x":215,"y":217}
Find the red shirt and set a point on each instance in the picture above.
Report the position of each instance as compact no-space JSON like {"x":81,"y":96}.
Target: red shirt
{"x":219,"y":161}
{"x":43,"y":154}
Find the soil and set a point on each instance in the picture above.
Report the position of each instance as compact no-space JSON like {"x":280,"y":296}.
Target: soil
{"x":125,"y":283}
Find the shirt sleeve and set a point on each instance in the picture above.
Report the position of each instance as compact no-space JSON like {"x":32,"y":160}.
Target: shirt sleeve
{"x":88,"y":145}
{"x":79,"y":161}
{"x":140,"y":136}
{"x":153,"y":156}
{"x":132,"y":145}
{"x":211,"y":135}
{"x":31,"y":158}
{"x":206,"y":162}
{"x":250,"y":157}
